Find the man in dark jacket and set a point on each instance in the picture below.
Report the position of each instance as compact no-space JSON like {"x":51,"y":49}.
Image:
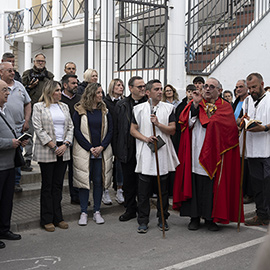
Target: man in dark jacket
{"x":126,"y":147}
{"x":70,"y":97}
{"x":34,"y":80}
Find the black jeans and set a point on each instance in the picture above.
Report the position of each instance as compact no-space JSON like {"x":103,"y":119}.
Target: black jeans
{"x":145,"y":190}
{"x":52,"y":174}
{"x":260,"y":172}
{"x":73,"y":191}
{"x":130,"y":185}
{"x":7,"y":178}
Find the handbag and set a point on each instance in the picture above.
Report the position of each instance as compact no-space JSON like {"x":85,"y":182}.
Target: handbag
{"x":18,"y":159}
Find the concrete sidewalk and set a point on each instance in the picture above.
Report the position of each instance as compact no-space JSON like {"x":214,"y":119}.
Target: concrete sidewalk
{"x":26,"y":206}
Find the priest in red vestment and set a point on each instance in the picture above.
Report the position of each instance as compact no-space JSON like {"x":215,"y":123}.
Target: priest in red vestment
{"x":207,"y":182}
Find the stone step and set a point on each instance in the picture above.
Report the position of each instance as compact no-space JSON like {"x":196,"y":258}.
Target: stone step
{"x":33,"y":189}
{"x":33,"y":176}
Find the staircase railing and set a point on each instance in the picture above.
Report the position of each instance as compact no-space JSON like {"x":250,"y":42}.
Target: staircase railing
{"x":216,"y":27}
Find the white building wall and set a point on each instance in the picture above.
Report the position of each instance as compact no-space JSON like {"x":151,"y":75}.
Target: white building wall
{"x":252,"y":55}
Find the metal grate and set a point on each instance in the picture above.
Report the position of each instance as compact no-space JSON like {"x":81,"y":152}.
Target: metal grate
{"x":136,"y":42}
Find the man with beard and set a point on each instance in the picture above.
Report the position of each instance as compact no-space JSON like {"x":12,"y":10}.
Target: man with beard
{"x":257,"y":107}
{"x":70,"y":97}
{"x":161,"y":115}
{"x":207,"y":182}
{"x":34,"y":80}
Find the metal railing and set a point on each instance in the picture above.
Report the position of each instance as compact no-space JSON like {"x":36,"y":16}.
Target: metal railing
{"x":41,"y":15}
{"x":135,"y":40}
{"x":15,"y":21}
{"x":216,"y":27}
{"x":71,"y":10}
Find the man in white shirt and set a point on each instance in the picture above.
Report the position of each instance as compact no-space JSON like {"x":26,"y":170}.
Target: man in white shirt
{"x":257,"y":106}
{"x":163,"y":118}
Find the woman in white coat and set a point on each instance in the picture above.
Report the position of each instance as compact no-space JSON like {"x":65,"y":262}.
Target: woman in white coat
{"x":92,"y":152}
{"x":54,"y":133}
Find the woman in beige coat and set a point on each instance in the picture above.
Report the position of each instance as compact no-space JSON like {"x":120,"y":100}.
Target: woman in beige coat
{"x":54,"y":133}
{"x":92,"y":152}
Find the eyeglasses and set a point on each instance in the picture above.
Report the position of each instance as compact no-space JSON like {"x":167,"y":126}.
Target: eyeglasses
{"x":140,"y":87}
{"x":40,"y":61}
{"x":211,"y":86}
{"x":5,"y":90}
{"x":241,"y":86}
{"x":169,"y":90}
{"x":10,"y":70}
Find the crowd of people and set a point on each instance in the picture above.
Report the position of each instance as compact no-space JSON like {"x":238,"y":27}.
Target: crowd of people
{"x":147,"y":143}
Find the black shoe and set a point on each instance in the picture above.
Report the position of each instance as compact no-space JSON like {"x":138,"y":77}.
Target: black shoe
{"x":194,"y":224}
{"x":127,"y":216}
{"x":143,"y":228}
{"x":211,"y":226}
{"x":18,"y":188}
{"x":27,"y":167}
{"x":166,"y":226}
{"x":2,"y":244}
{"x":10,"y":236}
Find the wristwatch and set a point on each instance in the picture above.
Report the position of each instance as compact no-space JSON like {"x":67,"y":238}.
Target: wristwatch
{"x":66,"y":144}
{"x":266,"y":128}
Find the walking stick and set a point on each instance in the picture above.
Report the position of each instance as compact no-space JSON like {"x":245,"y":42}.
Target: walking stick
{"x":158,"y":176}
{"x":241,"y":181}
{"x":242,"y":168}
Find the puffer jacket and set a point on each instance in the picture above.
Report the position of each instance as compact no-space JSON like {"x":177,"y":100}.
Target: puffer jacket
{"x":81,"y":157}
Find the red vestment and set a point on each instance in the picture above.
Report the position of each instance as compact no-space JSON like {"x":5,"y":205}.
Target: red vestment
{"x":220,"y":158}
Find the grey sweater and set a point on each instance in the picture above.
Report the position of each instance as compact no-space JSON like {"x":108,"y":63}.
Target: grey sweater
{"x":7,"y":152}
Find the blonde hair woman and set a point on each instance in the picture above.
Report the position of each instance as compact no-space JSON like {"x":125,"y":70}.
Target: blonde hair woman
{"x":92,"y":153}
{"x":89,"y":76}
{"x":54,"y":134}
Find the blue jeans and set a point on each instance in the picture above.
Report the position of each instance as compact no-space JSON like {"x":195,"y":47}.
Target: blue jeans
{"x":96,"y":177}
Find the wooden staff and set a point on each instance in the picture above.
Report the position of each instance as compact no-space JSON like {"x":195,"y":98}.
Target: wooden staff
{"x":158,"y":176}
{"x":242,"y":177}
{"x":158,"y":180}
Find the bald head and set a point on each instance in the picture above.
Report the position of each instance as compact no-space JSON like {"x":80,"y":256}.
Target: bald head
{"x":7,"y":72}
{"x":4,"y":92}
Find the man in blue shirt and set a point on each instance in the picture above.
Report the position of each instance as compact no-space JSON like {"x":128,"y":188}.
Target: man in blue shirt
{"x":242,"y":92}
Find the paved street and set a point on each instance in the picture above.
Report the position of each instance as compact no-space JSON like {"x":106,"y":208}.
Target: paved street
{"x":117,"y":245}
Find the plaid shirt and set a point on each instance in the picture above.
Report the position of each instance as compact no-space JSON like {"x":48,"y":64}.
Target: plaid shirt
{"x":44,"y":130}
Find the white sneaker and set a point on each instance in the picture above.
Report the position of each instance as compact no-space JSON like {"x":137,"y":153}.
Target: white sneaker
{"x":98,"y":218}
{"x":106,"y":199}
{"x":83,"y":219}
{"x":119,"y":196}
